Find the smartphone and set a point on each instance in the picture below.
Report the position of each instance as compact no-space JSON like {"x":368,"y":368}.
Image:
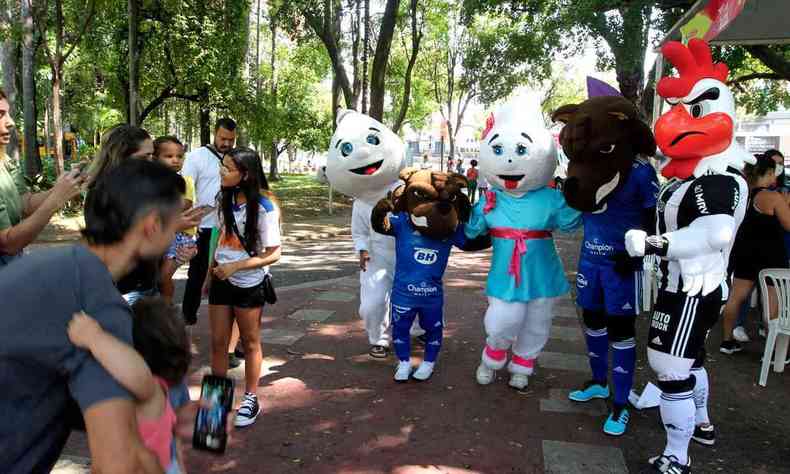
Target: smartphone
{"x":216,"y":401}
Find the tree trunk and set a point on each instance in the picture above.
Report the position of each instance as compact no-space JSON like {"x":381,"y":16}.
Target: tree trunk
{"x":134,"y":62}
{"x":205,"y":125}
{"x":57,"y":124}
{"x":377,"y":83}
{"x":365,"y":49}
{"x":258,"y":51}
{"x":416,"y":38}
{"x":32,"y":158}
{"x":274,"y":175}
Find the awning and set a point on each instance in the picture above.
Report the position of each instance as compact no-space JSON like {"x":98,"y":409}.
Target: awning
{"x":735,"y":22}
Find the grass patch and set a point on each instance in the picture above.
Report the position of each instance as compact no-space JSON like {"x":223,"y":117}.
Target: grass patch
{"x":303,"y":197}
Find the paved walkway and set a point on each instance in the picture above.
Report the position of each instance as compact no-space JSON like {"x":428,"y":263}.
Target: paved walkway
{"x":329,"y":408}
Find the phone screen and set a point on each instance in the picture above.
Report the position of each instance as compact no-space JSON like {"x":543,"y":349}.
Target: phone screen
{"x":216,"y":400}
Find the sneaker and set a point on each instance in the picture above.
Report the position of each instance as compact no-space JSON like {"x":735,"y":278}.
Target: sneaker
{"x":403,"y":372}
{"x":378,"y":352}
{"x":233,"y":361}
{"x":669,"y":465}
{"x":248,"y":411}
{"x":424,"y":371}
{"x":617,"y":422}
{"x":739,"y":333}
{"x":518,"y":381}
{"x":484,"y":374}
{"x":704,"y":434}
{"x":591,"y":390}
{"x":730,"y":347}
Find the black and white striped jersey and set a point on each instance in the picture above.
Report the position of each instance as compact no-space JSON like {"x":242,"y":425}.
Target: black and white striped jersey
{"x":680,"y":202}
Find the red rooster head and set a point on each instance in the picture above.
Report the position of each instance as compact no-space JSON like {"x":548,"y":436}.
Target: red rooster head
{"x":701,"y":119}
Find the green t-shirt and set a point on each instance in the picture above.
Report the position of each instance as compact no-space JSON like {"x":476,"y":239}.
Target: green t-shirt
{"x":12,"y":187}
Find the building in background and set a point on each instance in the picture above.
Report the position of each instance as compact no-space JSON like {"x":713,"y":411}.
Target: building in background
{"x":758,"y":134}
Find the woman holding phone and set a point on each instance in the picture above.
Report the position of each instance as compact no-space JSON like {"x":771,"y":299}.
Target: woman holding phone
{"x":249,"y":243}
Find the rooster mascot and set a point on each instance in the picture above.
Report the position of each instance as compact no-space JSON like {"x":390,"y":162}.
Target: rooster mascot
{"x":518,"y":157}
{"x":610,"y":180}
{"x":698,"y":212}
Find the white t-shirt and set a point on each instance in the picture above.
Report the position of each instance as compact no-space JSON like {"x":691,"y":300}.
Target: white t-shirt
{"x":230,"y":249}
{"x":203,"y":167}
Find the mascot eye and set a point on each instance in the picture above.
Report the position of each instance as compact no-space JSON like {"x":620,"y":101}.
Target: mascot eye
{"x":608,"y":149}
{"x":346,"y":148}
{"x":498,"y":150}
{"x":373,"y":139}
{"x":696,"y":110}
{"x":521,"y":150}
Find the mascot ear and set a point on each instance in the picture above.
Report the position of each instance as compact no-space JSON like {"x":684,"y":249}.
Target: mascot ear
{"x":644,"y":142}
{"x":407,"y":173}
{"x":564,"y":113}
{"x":341,"y":114}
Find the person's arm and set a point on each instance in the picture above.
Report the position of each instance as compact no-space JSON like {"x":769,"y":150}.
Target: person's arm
{"x":118,"y":358}
{"x":16,"y":238}
{"x":379,"y":221}
{"x":114,"y":444}
{"x":773,"y":200}
{"x":269,"y":257}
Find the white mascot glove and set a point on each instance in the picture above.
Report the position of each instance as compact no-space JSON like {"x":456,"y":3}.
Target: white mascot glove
{"x":635,"y":242}
{"x":702,"y":274}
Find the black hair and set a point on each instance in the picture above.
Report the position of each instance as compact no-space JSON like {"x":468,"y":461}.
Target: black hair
{"x":249,"y":165}
{"x":119,"y":197}
{"x":118,"y":144}
{"x":758,"y":170}
{"x":160,"y":336}
{"x":473,"y":163}
{"x":166,"y":139}
{"x":771,"y":152}
{"x":227,"y":123}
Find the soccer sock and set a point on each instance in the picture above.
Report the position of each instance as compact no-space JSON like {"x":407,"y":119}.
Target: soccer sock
{"x":701,"y":392}
{"x":433,"y":343}
{"x":401,"y":339}
{"x":677,"y":414}
{"x":598,"y":352}
{"x":623,"y":361}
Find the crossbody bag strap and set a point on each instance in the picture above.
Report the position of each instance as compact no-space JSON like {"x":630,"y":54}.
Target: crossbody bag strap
{"x":239,"y":235}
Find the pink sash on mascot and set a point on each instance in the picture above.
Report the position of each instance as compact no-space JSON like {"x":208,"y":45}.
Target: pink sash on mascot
{"x":520,"y":248}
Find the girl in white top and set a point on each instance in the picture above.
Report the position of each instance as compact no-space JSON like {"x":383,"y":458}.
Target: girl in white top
{"x":249,"y":242}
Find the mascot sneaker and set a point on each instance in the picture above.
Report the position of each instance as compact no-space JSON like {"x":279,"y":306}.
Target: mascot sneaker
{"x":590,"y":391}
{"x":617,"y":423}
{"x":424,"y":371}
{"x":669,"y":465}
{"x":519,"y":381}
{"x":485,"y":375}
{"x":403,"y":372}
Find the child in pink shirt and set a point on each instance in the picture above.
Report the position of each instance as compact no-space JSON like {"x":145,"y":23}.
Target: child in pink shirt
{"x":159,"y":359}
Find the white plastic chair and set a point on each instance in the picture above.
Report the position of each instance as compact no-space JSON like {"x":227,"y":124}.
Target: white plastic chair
{"x":779,"y":328}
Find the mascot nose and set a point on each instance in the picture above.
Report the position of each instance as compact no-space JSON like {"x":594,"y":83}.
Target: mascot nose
{"x":444,"y":208}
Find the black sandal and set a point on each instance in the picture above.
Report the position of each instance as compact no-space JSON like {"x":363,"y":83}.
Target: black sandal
{"x":378,"y":352}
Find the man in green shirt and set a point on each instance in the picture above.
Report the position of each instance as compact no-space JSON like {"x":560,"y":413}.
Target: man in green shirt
{"x":23,"y":215}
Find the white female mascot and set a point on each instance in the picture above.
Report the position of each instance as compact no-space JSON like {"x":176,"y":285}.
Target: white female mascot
{"x":364,"y":160}
{"x":518,"y":157}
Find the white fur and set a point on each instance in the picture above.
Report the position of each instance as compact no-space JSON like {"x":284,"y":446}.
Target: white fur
{"x":537,"y":164}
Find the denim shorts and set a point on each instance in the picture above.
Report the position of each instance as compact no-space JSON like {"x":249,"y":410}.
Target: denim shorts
{"x":181,"y":240}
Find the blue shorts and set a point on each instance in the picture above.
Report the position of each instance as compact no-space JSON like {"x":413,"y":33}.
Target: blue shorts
{"x":181,"y":240}
{"x":600,"y":288}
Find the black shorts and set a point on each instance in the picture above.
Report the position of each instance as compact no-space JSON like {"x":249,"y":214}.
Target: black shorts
{"x":680,"y":323}
{"x":224,"y":293}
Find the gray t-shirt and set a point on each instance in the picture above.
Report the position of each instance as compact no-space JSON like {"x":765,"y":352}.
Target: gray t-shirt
{"x":42,"y":374}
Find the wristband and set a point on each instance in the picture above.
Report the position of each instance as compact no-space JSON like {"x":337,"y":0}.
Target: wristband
{"x":656,"y":245}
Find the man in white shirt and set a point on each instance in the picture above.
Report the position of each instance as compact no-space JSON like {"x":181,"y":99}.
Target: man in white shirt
{"x":203,"y":165}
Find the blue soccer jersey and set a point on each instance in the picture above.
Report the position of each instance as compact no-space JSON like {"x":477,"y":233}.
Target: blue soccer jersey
{"x":420,"y":262}
{"x":604,"y":233}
